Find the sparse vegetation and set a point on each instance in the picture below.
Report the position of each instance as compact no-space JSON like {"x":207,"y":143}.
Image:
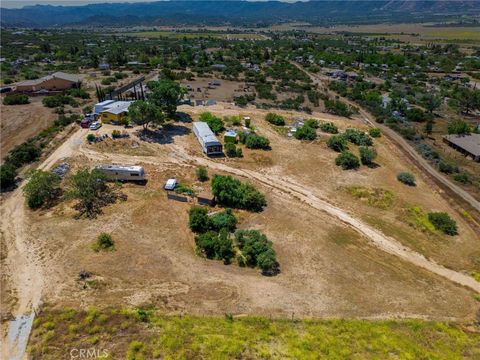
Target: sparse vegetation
{"x":202,"y":173}
{"x":104,"y":242}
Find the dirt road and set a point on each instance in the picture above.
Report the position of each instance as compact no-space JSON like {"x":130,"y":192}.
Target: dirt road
{"x":25,"y":262}
{"x":423,"y":164}
{"x":301,"y":192}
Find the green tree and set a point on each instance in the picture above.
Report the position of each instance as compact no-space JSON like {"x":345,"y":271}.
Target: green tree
{"x":337,"y":143}
{"x":144,"y":113}
{"x":235,"y":194}
{"x":214,"y":122}
{"x":215,"y":245}
{"x":458,"y":127}
{"x":430,"y":102}
{"x":198,"y":219}
{"x":41,"y":188}
{"x":275,"y":119}
{"x":91,"y":190}
{"x":166,"y":94}
{"x":347,"y":161}
{"x":7,"y":176}
{"x":305,"y":132}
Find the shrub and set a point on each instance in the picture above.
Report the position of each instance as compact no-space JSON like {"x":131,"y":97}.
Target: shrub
{"x":254,"y":141}
{"x":232,"y":151}
{"x":338,"y":108}
{"x":7,"y":176}
{"x":23,"y":154}
{"x":329,"y":127}
{"x":337,"y":143}
{"x":215,"y":245}
{"x":15,"y":99}
{"x":91,"y":138}
{"x":313,"y":123}
{"x":214,"y":122}
{"x":443,"y":222}
{"x":416,"y":114}
{"x":347,"y":161}
{"x":458,"y":127}
{"x":59,"y":100}
{"x":248,"y":122}
{"x":375,"y":132}
{"x":236,"y":194}
{"x":202,"y":173}
{"x":305,"y":132}
{"x":447,"y":168}
{"x":275,"y":119}
{"x":367,"y":155}
{"x":183,"y":189}
{"x":79,"y":93}
{"x":406,"y":178}
{"x":115,"y":134}
{"x":104,"y":242}
{"x":462,"y":177}
{"x":358,"y":137}
{"x":41,"y":188}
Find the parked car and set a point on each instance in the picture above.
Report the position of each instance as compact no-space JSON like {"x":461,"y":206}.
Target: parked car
{"x":85,"y":123}
{"x":170,"y":184}
{"x":95,"y":125}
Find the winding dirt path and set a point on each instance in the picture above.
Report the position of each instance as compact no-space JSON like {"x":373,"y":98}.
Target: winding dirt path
{"x":301,"y":192}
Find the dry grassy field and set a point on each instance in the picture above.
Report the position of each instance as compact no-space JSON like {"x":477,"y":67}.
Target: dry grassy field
{"x":327,"y":268}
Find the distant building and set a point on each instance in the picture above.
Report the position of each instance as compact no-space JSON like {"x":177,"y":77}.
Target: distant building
{"x":115,"y":112}
{"x":469,"y":145}
{"x":104,"y":66}
{"x":219,"y":67}
{"x":58,"y":81}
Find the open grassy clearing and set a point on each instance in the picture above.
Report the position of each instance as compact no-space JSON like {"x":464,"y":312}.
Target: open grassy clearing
{"x":147,"y":334}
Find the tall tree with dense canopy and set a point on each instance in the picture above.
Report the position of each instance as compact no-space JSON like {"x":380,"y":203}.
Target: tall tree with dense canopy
{"x":144,"y":113}
{"x":166,"y":94}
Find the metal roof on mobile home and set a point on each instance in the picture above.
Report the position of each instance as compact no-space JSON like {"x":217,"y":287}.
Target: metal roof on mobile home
{"x":204,"y":132}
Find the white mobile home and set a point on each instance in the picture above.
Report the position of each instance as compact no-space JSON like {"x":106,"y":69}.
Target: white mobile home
{"x":122,"y":172}
{"x":207,"y":139}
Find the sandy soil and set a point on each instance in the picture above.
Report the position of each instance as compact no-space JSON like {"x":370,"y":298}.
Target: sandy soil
{"x":339,"y":256}
{"x":21,"y":122}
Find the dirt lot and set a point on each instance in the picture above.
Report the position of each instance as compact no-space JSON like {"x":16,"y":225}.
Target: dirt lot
{"x":327,"y":268}
{"x":21,"y":122}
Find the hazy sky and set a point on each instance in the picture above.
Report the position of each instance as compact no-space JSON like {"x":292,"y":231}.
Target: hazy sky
{"x":21,"y":3}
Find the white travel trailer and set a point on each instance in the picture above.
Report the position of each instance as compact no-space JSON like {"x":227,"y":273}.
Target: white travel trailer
{"x":122,"y":172}
{"x":206,"y":138}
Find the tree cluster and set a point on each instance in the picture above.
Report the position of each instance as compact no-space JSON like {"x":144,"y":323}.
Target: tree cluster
{"x":233,"y":193}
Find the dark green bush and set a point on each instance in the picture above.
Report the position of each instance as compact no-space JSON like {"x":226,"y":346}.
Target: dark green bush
{"x":305,"y":132}
{"x":202,"y":173}
{"x":275,"y":119}
{"x":15,"y":99}
{"x":254,"y":141}
{"x":337,"y":143}
{"x":198,"y":219}
{"x":347,"y":160}
{"x":257,"y":251}
{"x":406,"y":178}
{"x":367,"y":155}
{"x":358,"y":137}
{"x":214,"y":122}
{"x":104,"y":242}
{"x":7,"y":176}
{"x":235,"y":194}
{"x":215,"y":245}
{"x":447,"y":168}
{"x":375,"y":132}
{"x":443,"y":222}
{"x":329,"y":127}
{"x":23,"y":154}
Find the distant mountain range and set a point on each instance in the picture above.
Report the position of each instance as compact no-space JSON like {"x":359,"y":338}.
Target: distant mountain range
{"x":235,"y":12}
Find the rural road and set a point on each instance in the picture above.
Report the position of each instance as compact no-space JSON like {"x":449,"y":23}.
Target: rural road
{"x":404,"y":145}
{"x":301,"y":192}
